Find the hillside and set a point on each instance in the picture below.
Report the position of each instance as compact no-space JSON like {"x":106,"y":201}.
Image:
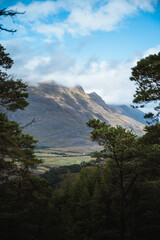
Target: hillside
{"x":60,"y":114}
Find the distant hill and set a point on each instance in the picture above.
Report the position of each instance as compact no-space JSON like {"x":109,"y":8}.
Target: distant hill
{"x":60,"y":115}
{"x":130,"y":112}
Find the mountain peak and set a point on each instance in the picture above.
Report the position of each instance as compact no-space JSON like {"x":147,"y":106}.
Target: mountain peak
{"x":61,"y":114}
{"x":78,"y":87}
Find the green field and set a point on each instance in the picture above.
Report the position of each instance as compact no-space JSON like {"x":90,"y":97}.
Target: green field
{"x":56,"y":158}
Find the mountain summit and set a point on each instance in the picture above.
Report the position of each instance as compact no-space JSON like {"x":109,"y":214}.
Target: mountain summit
{"x":60,"y":115}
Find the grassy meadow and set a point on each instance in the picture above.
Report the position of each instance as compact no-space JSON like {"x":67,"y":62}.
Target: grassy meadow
{"x":60,"y":157}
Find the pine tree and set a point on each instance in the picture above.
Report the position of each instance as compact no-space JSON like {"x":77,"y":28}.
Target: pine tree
{"x":146,"y":75}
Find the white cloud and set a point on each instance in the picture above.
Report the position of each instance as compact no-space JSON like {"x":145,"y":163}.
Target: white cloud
{"x":83,"y":16}
{"x":145,"y":5}
{"x":36,"y":10}
{"x":49,"y":30}
{"x":152,"y":51}
{"x":110,"y":79}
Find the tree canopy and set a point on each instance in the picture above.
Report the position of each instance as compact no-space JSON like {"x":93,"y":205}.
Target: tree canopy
{"x":13,"y":93}
{"x":146,"y":75}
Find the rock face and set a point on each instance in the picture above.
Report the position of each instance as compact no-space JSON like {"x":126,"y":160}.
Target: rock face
{"x":60,"y":114}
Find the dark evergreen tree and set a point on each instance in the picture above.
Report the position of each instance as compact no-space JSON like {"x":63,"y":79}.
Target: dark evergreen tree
{"x":146,"y":75}
{"x":17,"y":158}
{"x":121,"y":150}
{"x":15,"y":147}
{"x":13,"y":93}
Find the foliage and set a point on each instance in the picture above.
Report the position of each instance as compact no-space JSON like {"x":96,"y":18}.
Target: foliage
{"x":12,"y":92}
{"x":55,"y":175}
{"x":20,"y":193}
{"x":147,"y":78}
{"x":17,"y":149}
{"x":121,"y":147}
{"x":28,"y":211}
{"x":118,"y":198}
{"x":152,"y":135}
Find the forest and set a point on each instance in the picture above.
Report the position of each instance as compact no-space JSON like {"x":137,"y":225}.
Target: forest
{"x":115,"y":196}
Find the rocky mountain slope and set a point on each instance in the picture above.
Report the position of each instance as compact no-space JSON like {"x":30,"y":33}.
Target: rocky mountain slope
{"x":60,"y":114}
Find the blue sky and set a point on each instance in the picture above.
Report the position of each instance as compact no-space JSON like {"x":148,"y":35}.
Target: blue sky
{"x":92,"y":43}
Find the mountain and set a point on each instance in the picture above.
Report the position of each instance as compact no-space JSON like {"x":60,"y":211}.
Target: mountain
{"x":60,"y":115}
{"x":130,"y":112}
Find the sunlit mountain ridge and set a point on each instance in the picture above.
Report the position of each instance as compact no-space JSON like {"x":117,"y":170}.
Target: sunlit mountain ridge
{"x":60,"y":114}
